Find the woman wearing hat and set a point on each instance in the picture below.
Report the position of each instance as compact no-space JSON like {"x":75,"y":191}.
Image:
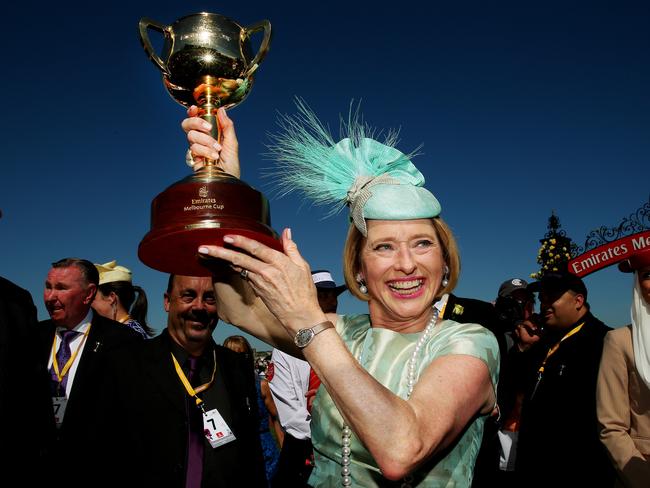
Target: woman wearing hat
{"x":116,"y":298}
{"x":406,"y":393}
{"x":623,"y":394}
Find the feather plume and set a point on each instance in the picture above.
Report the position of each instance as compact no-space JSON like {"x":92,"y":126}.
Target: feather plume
{"x":309,"y":160}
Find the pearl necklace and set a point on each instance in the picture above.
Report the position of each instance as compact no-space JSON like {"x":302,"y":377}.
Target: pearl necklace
{"x":411,"y":379}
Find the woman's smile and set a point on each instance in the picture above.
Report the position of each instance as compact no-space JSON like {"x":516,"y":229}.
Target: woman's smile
{"x":407,"y":288}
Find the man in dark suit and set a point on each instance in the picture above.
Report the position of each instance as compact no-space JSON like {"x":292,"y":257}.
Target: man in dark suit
{"x":25,"y":404}
{"x":74,"y":342}
{"x":558,"y":440}
{"x":182,"y":410}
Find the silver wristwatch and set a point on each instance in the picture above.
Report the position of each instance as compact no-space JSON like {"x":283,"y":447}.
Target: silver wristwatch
{"x":305,"y":336}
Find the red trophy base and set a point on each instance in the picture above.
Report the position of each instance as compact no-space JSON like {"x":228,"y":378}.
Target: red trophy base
{"x":202,"y":209}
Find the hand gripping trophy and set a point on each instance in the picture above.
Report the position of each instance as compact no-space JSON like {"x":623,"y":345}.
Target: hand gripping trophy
{"x":206,"y":61}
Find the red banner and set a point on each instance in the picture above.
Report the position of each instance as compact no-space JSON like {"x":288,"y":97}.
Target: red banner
{"x":608,"y":254}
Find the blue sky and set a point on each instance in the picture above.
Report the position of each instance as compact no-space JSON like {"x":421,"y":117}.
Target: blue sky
{"x":521,"y":107}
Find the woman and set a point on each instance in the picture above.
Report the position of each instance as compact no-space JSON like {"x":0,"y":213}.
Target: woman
{"x":267,"y":410}
{"x":406,"y":394}
{"x":623,"y":394}
{"x":116,"y":298}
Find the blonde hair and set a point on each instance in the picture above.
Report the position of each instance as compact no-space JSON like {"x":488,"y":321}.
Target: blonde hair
{"x":236,"y":340}
{"x":355,"y":242}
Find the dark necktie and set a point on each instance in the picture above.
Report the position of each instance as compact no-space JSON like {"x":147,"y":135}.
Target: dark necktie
{"x":195,"y":445}
{"x":62,"y":357}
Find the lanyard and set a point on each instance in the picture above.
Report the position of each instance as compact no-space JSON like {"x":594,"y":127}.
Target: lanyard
{"x":66,"y":367}
{"x":551,"y":351}
{"x":442,"y":309}
{"x":191,"y":391}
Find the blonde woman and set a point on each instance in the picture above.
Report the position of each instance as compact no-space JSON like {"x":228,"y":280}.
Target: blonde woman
{"x":405,"y":393}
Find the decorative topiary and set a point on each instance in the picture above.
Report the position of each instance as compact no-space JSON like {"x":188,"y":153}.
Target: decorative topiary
{"x":555,"y":251}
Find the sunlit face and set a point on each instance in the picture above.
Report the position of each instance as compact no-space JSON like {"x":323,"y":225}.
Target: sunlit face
{"x":560,"y":311}
{"x":103,"y":304}
{"x":644,"y":283}
{"x":67,"y":296}
{"x":402,"y":266}
{"x":192,"y":310}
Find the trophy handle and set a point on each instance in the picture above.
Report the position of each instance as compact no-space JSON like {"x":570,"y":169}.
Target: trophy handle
{"x":264,"y":47}
{"x":145,"y":24}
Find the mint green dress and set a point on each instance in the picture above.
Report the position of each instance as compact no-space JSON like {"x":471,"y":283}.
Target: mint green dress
{"x":384,"y":354}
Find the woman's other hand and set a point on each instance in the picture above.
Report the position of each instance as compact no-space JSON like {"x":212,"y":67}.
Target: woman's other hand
{"x":282,"y":281}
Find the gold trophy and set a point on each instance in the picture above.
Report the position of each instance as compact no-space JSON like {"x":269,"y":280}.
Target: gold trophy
{"x":206,"y":61}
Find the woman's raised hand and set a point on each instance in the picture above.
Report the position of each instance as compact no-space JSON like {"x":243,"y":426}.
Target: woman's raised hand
{"x":203,"y":146}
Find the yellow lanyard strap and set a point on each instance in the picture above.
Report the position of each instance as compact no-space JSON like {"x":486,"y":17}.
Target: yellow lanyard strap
{"x":552,"y":350}
{"x":55,"y":364}
{"x":191,"y":391}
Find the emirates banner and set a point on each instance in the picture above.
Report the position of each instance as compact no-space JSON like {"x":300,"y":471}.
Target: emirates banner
{"x":608,"y":254}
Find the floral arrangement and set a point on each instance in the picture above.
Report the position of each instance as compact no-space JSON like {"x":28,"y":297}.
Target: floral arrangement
{"x":555,"y":251}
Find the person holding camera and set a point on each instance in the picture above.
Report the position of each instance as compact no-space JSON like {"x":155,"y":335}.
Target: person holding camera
{"x":516,"y":327}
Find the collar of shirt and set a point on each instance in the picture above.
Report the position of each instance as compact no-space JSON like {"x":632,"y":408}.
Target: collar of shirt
{"x":182,"y":356}
{"x":75,"y":343}
{"x":81,"y":327}
{"x":441,"y":304}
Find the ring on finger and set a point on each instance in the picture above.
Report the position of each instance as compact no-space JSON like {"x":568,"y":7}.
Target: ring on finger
{"x":244,"y":274}
{"x":189,"y":158}
{"x":194,"y":162}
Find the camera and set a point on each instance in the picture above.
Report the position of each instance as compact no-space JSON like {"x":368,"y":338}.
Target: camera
{"x":510,"y":311}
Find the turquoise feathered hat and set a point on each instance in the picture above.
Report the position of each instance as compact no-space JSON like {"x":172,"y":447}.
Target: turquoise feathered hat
{"x":373,"y":178}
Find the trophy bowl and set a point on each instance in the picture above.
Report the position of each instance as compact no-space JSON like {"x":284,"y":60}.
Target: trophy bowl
{"x":206,"y":61}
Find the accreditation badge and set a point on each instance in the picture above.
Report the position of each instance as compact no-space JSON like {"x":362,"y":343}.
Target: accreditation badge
{"x":59,"y":403}
{"x":215,"y":428}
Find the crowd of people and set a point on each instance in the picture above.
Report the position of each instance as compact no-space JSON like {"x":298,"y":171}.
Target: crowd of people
{"x":426,"y":389}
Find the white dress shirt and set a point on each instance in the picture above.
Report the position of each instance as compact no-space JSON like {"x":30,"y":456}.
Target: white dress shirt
{"x":77,"y":343}
{"x":289,"y":385}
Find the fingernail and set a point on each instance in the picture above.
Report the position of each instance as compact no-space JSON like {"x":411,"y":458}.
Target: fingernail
{"x":206,"y":125}
{"x":217,"y":146}
{"x":289,"y":234}
{"x":228,"y":239}
{"x":203,"y":250}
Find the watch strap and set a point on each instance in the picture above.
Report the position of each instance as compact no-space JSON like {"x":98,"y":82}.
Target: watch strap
{"x":316,"y":329}
{"x":322,"y":326}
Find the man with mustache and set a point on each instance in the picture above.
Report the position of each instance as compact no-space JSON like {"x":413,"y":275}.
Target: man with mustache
{"x":180,"y":410}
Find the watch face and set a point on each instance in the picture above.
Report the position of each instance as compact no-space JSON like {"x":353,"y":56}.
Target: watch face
{"x":303,"y":337}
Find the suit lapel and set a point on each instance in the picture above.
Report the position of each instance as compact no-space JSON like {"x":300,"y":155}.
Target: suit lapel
{"x":234,"y":399}
{"x":223,"y":392}
{"x":46,"y":331}
{"x":89,"y":356}
{"x":158,"y":366}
